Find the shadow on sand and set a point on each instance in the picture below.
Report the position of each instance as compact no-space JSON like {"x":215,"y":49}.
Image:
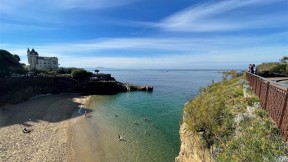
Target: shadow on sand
{"x":52,"y":108}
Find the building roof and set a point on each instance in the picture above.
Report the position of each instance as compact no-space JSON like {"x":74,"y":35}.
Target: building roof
{"x":33,"y":52}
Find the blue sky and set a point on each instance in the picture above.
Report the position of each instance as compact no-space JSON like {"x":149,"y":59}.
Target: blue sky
{"x":147,"y":34}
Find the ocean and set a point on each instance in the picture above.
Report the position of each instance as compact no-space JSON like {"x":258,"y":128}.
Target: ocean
{"x":148,"y":122}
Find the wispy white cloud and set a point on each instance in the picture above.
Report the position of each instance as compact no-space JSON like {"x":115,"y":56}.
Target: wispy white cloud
{"x":25,"y":27}
{"x":92,"y":4}
{"x":181,"y":52}
{"x":217,"y":17}
{"x":174,"y":44}
{"x":46,"y":13}
{"x":8,"y":6}
{"x":226,"y":59}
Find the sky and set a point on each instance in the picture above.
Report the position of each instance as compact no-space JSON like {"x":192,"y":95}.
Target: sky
{"x":147,"y":34}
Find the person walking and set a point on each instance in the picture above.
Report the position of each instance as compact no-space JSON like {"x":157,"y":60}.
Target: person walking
{"x":252,"y":68}
{"x":249,"y":68}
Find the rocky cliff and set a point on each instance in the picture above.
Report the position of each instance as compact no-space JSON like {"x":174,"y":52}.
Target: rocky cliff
{"x":15,"y":90}
{"x":191,"y":149}
{"x":225,"y":122}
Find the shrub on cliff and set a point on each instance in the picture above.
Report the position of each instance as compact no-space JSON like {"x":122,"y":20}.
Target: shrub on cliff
{"x":10,"y":64}
{"x":220,"y":116}
{"x":80,"y":74}
{"x":272,"y":69}
{"x":209,"y":113}
{"x":284,"y":59}
{"x":258,"y":140}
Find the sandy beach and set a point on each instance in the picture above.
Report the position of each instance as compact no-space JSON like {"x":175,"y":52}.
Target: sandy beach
{"x":48,"y":118}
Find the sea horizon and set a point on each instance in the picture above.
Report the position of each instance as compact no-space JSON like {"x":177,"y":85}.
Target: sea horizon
{"x":162,"y":69}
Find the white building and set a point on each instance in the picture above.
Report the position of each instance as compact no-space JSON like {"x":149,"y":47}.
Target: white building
{"x":40,"y":62}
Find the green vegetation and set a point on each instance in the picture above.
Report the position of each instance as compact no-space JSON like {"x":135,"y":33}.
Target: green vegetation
{"x":284,"y":59}
{"x":80,"y":74}
{"x":75,"y":73}
{"x":273,"y":68}
{"x":57,"y":72}
{"x":258,"y":140}
{"x":10,"y":64}
{"x":219,"y":114}
{"x":62,"y":70}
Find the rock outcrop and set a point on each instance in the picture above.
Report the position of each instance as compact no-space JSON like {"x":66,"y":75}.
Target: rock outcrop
{"x":191,"y":149}
{"x":15,"y":90}
{"x":101,"y":87}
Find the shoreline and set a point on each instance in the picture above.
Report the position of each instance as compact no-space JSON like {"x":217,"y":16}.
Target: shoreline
{"x":83,"y":101}
{"x":49,"y":119}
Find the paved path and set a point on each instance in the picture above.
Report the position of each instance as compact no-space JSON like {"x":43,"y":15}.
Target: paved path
{"x":277,"y":78}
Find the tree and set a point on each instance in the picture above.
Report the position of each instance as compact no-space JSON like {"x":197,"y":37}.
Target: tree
{"x":284,"y":59}
{"x":80,"y":74}
{"x":16,"y":57}
{"x":97,"y":71}
{"x":10,"y":64}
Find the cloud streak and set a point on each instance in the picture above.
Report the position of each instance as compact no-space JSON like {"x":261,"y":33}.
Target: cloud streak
{"x":201,"y":34}
{"x":176,"y":52}
{"x":9,"y":6}
{"x":92,"y":4}
{"x":223,"y":16}
{"x":175,"y":44}
{"x":50,"y":13}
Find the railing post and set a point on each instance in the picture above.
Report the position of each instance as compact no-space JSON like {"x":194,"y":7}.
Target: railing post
{"x":266,"y":97}
{"x":284,"y":108}
{"x":260,"y":80}
{"x":278,"y":110}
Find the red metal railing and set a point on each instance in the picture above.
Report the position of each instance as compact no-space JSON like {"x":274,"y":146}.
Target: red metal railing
{"x":273,"y":98}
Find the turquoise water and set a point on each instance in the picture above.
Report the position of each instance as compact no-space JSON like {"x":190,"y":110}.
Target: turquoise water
{"x":157,"y":113}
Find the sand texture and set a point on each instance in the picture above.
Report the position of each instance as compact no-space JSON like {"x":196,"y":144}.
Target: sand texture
{"x":48,"y":119}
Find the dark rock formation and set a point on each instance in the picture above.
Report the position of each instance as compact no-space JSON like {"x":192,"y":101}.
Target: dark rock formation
{"x":15,"y":90}
{"x":101,"y":87}
{"x":139,"y":88}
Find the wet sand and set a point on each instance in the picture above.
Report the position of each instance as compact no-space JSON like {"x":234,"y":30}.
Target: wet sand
{"x":86,"y":143}
{"x":49,"y":119}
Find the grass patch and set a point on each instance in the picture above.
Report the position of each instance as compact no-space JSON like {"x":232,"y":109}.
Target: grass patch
{"x":258,"y":141}
{"x":219,"y":115}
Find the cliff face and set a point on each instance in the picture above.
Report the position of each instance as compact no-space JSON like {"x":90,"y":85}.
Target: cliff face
{"x":191,"y":149}
{"x":14,"y":90}
{"x":225,"y":122}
